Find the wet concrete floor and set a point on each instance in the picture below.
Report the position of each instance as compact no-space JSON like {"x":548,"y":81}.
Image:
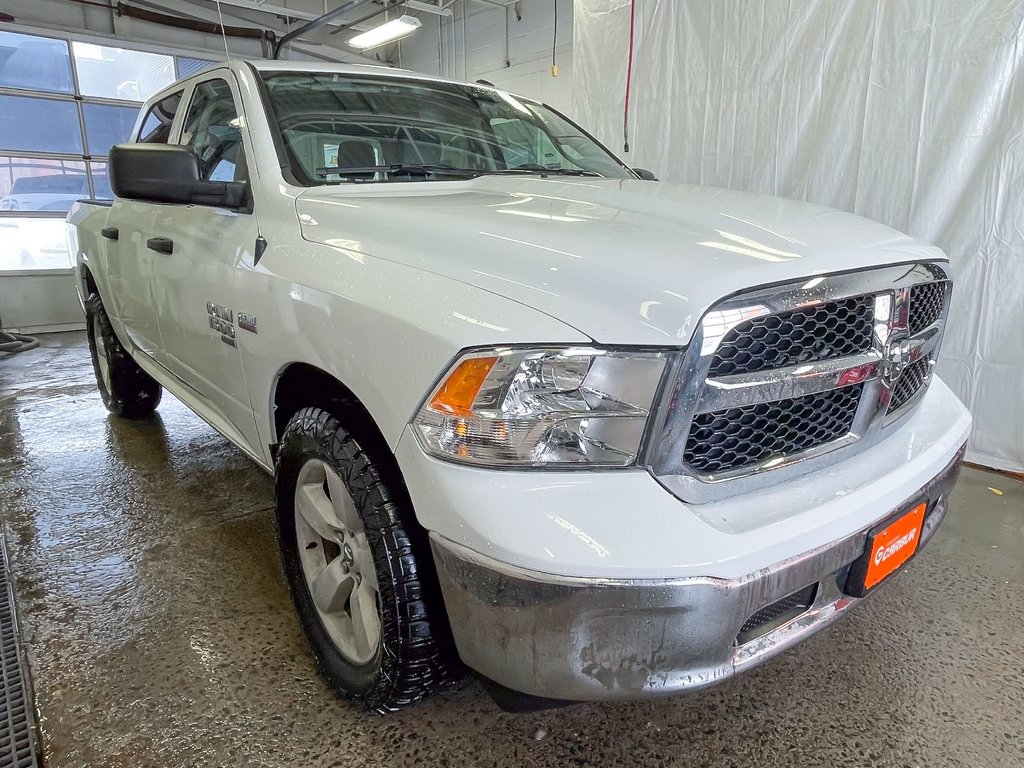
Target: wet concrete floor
{"x":160,"y":633}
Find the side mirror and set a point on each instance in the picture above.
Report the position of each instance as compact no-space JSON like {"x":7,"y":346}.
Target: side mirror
{"x":644,"y":174}
{"x":168,"y":173}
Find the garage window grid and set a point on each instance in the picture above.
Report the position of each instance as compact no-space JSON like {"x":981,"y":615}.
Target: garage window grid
{"x":63,"y":104}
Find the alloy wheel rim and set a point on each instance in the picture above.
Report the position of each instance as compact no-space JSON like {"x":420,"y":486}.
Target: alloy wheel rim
{"x":102,"y":358}
{"x":337,"y":562}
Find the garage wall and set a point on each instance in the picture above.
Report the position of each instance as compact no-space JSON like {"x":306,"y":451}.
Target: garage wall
{"x":36,"y":285}
{"x":482,"y":53}
{"x":909,"y":113}
{"x":63,"y":103}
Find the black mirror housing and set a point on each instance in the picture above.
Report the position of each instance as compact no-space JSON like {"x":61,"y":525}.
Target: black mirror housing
{"x":168,"y":173}
{"x":644,"y":174}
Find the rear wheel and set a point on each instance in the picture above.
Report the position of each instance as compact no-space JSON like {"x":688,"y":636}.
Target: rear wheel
{"x":126,"y":389}
{"x":364,"y":590}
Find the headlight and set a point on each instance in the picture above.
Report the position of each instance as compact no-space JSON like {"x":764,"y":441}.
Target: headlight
{"x":542,"y":407}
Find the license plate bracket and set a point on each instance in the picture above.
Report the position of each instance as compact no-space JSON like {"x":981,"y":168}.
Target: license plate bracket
{"x":890,"y":545}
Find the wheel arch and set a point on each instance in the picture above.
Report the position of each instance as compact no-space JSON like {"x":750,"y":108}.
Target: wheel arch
{"x":300,"y":385}
{"x":89,"y":286}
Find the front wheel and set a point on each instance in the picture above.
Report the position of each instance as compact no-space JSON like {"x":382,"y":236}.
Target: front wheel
{"x":362,"y":588}
{"x":126,"y":389}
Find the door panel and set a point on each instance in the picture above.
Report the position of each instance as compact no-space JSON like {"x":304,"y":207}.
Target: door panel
{"x":196,"y":293}
{"x":196,"y":286}
{"x":130,"y":264}
{"x":129,"y":268}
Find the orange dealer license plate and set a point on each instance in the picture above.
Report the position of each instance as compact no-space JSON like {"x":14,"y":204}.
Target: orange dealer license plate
{"x":889,"y":546}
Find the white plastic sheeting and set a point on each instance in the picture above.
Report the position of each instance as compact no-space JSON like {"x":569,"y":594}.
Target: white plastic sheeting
{"x":911,"y":113}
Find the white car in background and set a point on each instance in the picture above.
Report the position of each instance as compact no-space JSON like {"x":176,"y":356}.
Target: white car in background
{"x":33,"y":243}
{"x":592,"y":436}
{"x":46,"y":194}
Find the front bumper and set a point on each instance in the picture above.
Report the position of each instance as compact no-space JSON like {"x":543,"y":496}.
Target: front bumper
{"x":583,"y":639}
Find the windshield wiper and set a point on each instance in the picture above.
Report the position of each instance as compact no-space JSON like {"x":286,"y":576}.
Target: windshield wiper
{"x":539,"y":170}
{"x":395,"y":169}
{"x":408,"y":169}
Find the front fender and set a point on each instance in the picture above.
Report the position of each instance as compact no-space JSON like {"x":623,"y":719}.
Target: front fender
{"x":384,"y":330}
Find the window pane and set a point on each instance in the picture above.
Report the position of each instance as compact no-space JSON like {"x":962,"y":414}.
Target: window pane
{"x":156,"y":128}
{"x":106,"y":126}
{"x":353,"y":119}
{"x":100,"y":182}
{"x":523,"y":143}
{"x":211,"y":126}
{"x":39,"y":125}
{"x":188,"y":66}
{"x":40,"y":63}
{"x":117,"y":73}
{"x":35,"y":185}
{"x":33,"y":244}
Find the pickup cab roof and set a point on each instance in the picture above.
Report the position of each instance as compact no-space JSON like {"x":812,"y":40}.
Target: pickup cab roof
{"x":274,"y":65}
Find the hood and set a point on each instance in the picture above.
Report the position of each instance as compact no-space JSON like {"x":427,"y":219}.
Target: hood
{"x":624,"y":262}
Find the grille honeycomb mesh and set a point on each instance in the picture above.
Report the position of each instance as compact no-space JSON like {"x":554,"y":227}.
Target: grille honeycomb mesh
{"x":909,"y":384}
{"x":822,"y":332}
{"x":736,"y":438}
{"x":926,"y":304}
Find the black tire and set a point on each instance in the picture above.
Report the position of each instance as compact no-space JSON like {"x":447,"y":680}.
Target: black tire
{"x":416,"y":653}
{"x":130,"y":392}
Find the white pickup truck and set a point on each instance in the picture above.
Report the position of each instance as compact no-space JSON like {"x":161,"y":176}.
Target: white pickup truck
{"x":591,"y":435}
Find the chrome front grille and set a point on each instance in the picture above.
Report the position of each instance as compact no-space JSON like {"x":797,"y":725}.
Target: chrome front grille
{"x":784,"y":380}
{"x":927,"y":302}
{"x":743,"y":437}
{"x":910,"y":383}
{"x":822,"y":332}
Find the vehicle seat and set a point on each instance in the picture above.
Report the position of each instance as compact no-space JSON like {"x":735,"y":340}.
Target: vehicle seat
{"x":356,"y":154}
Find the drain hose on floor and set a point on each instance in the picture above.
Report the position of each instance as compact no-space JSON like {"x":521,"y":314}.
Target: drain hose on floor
{"x":12,"y":343}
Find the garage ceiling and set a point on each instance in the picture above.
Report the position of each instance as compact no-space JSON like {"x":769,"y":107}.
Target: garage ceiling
{"x":284,"y":16}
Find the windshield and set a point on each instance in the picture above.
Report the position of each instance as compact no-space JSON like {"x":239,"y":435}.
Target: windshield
{"x":342,"y":128}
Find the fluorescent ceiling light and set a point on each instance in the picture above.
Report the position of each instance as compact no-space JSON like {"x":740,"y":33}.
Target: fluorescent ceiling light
{"x":388,"y":32}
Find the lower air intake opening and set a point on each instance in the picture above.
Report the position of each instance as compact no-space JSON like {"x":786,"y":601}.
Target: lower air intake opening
{"x":776,"y":614}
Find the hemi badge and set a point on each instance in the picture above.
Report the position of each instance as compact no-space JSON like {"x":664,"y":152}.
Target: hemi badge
{"x":247,"y":322}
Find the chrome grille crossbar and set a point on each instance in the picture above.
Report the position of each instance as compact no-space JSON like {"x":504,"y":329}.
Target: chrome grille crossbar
{"x":787,"y":383}
{"x":860,"y":329}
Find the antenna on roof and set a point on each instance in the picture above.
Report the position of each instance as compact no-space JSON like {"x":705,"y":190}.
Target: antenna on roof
{"x":223,"y":36}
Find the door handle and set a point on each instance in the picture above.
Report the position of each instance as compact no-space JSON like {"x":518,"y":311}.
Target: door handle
{"x":160,"y":244}
{"x":110,"y":233}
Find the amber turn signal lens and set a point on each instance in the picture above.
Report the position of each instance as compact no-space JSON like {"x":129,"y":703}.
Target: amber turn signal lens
{"x":459,"y":390}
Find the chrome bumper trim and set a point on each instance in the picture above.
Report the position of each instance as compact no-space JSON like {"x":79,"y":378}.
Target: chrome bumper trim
{"x":587,"y":639}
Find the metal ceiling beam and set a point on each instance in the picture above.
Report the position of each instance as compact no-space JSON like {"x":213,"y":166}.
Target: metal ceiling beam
{"x":442,"y":9}
{"x":439,"y":9}
{"x":317,"y":23}
{"x":201,"y":9}
{"x":354,"y":24}
{"x":271,"y":8}
{"x":508,"y":4}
